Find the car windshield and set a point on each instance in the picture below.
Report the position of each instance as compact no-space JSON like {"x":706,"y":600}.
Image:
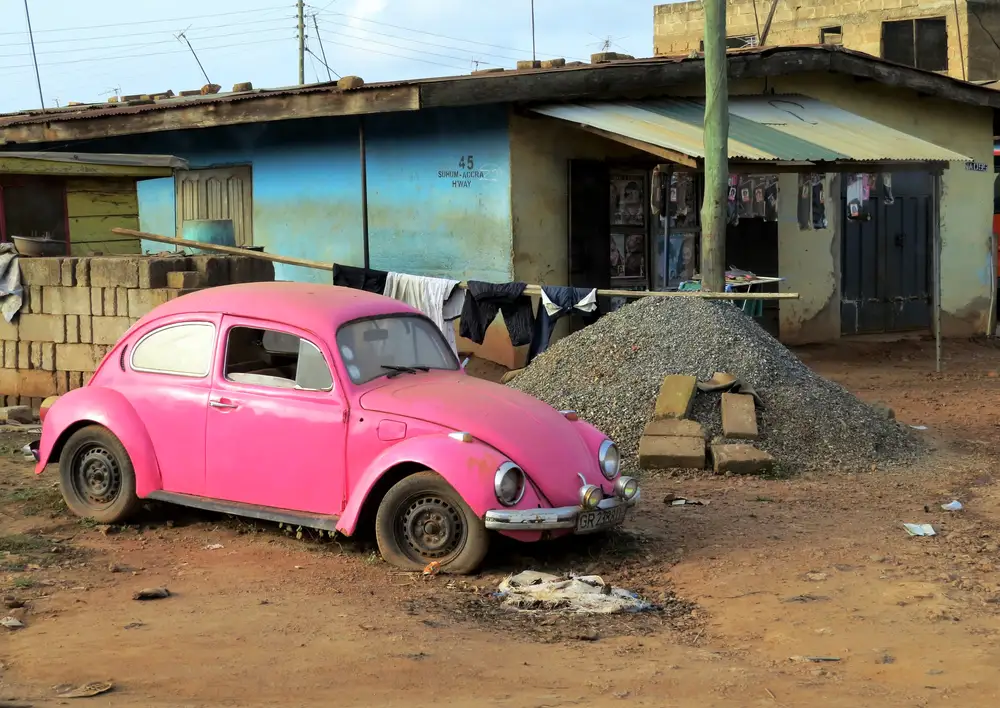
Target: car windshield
{"x":393,"y":346}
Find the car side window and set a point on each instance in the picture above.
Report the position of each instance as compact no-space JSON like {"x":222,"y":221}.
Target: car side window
{"x":183,"y":349}
{"x":264,"y":357}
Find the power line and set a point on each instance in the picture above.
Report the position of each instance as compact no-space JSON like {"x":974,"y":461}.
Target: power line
{"x":319,"y":39}
{"x":323,"y":62}
{"x":396,"y":46}
{"x":400,"y":56}
{"x":153,"y":22}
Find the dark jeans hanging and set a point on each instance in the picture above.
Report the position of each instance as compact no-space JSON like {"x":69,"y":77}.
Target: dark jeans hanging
{"x":367,"y":279}
{"x":482,"y":303}
{"x":566,"y":298}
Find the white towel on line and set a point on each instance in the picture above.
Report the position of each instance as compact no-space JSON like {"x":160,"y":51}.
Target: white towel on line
{"x":438,"y":298}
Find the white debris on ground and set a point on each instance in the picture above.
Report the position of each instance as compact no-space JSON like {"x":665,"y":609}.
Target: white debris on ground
{"x":611,"y":371}
{"x":584,"y":594}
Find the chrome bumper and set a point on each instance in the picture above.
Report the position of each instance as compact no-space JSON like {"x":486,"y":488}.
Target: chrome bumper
{"x":563,"y":517}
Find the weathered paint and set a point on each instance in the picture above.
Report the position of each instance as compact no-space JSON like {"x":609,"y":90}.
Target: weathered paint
{"x":156,"y":211}
{"x":94,"y":206}
{"x":25,"y":166}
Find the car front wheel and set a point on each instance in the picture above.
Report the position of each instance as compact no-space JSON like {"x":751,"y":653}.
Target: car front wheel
{"x":422,"y":520}
{"x":97,"y":477}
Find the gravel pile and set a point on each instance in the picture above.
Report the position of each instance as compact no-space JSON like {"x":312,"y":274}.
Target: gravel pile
{"x":610,"y":372}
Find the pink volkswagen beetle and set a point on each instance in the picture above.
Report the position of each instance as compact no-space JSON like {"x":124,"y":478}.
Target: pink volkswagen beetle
{"x":328,"y":408}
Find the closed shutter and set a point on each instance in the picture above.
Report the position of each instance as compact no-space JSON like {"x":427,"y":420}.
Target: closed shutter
{"x":223,"y":193}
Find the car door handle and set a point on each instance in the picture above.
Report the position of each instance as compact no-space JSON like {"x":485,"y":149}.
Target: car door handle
{"x":215,"y":403}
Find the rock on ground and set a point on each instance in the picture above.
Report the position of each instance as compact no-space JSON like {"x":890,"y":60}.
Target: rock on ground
{"x":610,"y":373}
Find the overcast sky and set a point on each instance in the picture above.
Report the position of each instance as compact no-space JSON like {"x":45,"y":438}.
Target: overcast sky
{"x":90,"y":49}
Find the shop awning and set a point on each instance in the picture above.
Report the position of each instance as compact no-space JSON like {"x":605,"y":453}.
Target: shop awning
{"x":82,"y":164}
{"x":788,"y":129}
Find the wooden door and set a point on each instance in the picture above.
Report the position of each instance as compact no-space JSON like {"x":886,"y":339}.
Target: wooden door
{"x":222,"y":193}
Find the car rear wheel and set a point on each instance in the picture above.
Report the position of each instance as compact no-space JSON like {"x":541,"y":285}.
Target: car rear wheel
{"x":423,"y":520}
{"x":97,"y":477}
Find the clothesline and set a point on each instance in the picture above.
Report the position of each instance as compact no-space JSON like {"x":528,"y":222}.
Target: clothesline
{"x":531,"y":289}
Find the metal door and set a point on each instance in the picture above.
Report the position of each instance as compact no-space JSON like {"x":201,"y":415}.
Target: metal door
{"x":223,"y":193}
{"x":886,"y":267}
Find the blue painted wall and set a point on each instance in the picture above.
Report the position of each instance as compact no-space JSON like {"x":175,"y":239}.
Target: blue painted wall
{"x":156,"y":211}
{"x":430,"y":212}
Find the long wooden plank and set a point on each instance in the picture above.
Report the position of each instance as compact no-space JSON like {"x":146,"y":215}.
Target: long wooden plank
{"x":530,"y":289}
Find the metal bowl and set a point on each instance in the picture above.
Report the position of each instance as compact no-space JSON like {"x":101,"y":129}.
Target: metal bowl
{"x":32,"y":246}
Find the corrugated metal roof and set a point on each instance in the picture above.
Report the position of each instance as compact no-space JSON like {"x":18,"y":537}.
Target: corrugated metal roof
{"x":787,"y":128}
{"x":102,"y":158}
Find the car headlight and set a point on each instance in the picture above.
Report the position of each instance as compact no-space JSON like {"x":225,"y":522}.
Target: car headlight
{"x":610,"y":459}
{"x":626,"y":487}
{"x":509,"y":484}
{"x":590,"y":496}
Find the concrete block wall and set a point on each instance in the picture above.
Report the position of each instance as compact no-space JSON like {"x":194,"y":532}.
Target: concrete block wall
{"x":679,"y":27}
{"x":76,"y":309}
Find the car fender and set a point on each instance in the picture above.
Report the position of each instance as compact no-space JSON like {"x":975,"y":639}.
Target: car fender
{"x":469,"y":467}
{"x":109,"y":408}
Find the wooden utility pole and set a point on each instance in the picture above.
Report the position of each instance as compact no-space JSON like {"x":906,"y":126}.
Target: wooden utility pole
{"x":713,"y":210}
{"x":302,"y":41}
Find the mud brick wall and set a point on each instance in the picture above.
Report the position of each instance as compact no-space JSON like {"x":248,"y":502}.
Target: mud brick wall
{"x":76,"y":309}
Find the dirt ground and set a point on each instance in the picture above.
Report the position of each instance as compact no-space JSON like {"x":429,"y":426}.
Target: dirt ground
{"x":766,"y":570}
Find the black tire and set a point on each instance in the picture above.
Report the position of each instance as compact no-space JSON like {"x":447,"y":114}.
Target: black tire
{"x":457,"y":538}
{"x":96,"y":476}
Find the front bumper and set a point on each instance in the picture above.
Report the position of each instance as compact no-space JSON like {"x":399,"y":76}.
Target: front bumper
{"x":564,"y":517}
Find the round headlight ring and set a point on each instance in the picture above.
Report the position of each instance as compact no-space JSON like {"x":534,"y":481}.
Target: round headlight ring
{"x":503,"y":473}
{"x":610,"y":459}
{"x":626,"y":488}
{"x":590,"y":496}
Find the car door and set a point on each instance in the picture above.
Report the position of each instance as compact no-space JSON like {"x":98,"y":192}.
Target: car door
{"x":168,"y":384}
{"x":277,"y":420}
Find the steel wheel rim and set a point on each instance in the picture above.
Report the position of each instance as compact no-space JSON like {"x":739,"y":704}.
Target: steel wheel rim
{"x":430,"y":527}
{"x":96,"y":476}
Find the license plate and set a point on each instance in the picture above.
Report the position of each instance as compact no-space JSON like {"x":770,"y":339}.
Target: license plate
{"x":590,"y":521}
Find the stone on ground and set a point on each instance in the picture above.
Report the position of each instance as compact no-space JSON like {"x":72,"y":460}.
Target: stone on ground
{"x":661,"y":453}
{"x":675,"y":397}
{"x":739,"y":416}
{"x":740,"y":458}
{"x":674,"y":427}
{"x":16,"y":414}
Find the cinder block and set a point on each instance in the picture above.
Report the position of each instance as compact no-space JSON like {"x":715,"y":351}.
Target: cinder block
{"x":121,"y":303}
{"x":97,"y":300}
{"x":667,"y":452}
{"x":66,"y":301}
{"x":10,"y":331}
{"x":153,"y":271}
{"x":34,"y":304}
{"x":24,"y":355}
{"x":35,"y":354}
{"x":48,"y":356}
{"x":10,"y":382}
{"x":10,"y":354}
{"x":675,"y":397}
{"x":108,"y":330}
{"x":73,"y":329}
{"x":740,"y":458}
{"x":68,"y":270}
{"x":122,"y":272}
{"x":674,"y":428}
{"x":40,"y":271}
{"x":186,"y":279}
{"x":739,"y":417}
{"x":79,"y":357}
{"x":83,"y":272}
{"x":75,"y":378}
{"x":140,"y":302}
{"x":215,"y":268}
{"x":37,"y":383}
{"x":62,"y":382}
{"x":43,"y":328}
{"x":86,"y":329}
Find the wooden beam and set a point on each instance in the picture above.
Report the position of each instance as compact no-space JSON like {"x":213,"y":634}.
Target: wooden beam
{"x":61,"y":168}
{"x":181,"y":115}
{"x":762,"y":40}
{"x":671,"y":155}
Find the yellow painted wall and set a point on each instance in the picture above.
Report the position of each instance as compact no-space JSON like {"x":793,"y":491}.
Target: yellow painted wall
{"x":94,"y":206}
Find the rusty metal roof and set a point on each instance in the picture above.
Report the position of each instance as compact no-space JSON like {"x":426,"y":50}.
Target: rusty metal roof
{"x":773,"y":128}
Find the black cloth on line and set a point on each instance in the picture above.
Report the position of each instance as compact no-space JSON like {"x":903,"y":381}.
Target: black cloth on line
{"x":484,"y":300}
{"x":367,"y":279}
{"x":566,"y":298}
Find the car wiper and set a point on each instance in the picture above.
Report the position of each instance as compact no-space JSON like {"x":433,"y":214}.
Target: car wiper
{"x":397,"y":370}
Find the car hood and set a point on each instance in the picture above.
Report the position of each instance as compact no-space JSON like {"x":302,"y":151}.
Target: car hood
{"x":531,"y":433}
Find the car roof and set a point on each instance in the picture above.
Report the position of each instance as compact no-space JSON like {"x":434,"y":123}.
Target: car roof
{"x":316,"y":307}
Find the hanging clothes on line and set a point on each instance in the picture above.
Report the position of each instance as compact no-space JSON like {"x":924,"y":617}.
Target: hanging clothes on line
{"x":368,"y":279}
{"x":439,"y":298}
{"x":558,"y":302}
{"x":484,"y":300}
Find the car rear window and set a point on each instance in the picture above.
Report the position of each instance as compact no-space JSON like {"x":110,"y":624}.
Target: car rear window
{"x":183,"y":349}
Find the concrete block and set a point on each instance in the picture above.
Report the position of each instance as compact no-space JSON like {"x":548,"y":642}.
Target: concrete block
{"x":66,"y":301}
{"x":83,"y":272}
{"x":674,"y":428}
{"x":528,"y":64}
{"x":553,"y":63}
{"x":108,"y":330}
{"x":79,"y":357}
{"x":86,"y":329}
{"x":739,"y":417}
{"x":40,"y":271}
{"x":68,"y":270}
{"x":675,"y":397}
{"x":140,"y":302}
{"x":37,"y":383}
{"x":10,"y":382}
{"x":48,"y":356}
{"x":62,"y":382}
{"x":667,"y":452}
{"x":43,"y":328}
{"x":263,"y":270}
{"x":241,"y":270}
{"x":121,"y":303}
{"x":24,"y":355}
{"x":215,"y":268}
{"x":10,"y":355}
{"x":33,"y":303}
{"x":186,"y":279}
{"x":345,"y":83}
{"x":10,"y":331}
{"x":16,"y":414}
{"x":740,"y":458}
{"x":97,"y":296}
{"x":35,"y":354}
{"x":122,"y":272}
{"x":73,"y":329}
{"x":75,"y":379}
{"x":153,"y":271}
